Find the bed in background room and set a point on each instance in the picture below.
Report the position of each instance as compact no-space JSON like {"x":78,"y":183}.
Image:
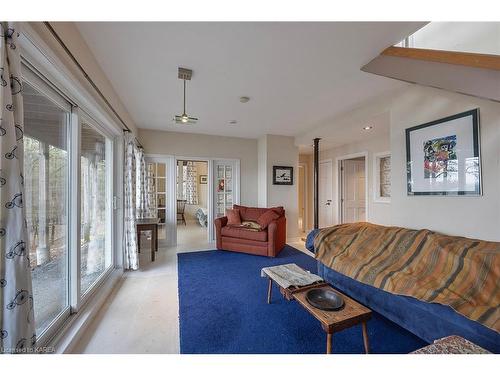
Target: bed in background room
{"x":202,"y":216}
{"x":430,"y":284}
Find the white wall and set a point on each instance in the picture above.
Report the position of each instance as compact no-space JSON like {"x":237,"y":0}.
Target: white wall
{"x":475,"y":37}
{"x":262,"y":179}
{"x":208,"y":146}
{"x":279,"y":151}
{"x":70,"y":35}
{"x":477,"y":217}
{"x":379,"y":213}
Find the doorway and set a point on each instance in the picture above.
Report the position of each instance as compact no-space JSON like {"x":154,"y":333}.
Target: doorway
{"x":352,"y":189}
{"x":325,"y":193}
{"x":191,"y":201}
{"x":302,"y":197}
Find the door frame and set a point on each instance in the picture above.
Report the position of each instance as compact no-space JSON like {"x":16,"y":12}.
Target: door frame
{"x":338,"y":183}
{"x":331,"y":187}
{"x":171,"y":216}
{"x":305,"y":221}
{"x":209,"y":189}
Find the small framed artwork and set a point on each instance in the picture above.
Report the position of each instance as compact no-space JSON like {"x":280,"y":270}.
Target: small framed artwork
{"x":443,"y":156}
{"x":203,"y":178}
{"x":282,"y":175}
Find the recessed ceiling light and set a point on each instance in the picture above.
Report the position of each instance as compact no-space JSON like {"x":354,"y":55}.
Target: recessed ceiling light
{"x":367,"y":127}
{"x":233,"y":122}
{"x":244,"y":99}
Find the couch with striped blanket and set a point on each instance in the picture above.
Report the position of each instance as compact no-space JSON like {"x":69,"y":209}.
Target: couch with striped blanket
{"x":429,"y":283}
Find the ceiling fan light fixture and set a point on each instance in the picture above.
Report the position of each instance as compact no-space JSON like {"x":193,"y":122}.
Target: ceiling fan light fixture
{"x":184,"y":74}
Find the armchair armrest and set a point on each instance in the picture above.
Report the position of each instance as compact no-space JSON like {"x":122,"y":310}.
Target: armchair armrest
{"x":219,"y":224}
{"x":276,"y":234}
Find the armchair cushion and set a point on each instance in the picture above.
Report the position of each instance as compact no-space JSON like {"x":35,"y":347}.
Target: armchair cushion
{"x":239,"y":232}
{"x":233,"y":216}
{"x":265,"y":219}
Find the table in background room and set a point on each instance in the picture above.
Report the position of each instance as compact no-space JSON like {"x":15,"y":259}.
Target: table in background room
{"x":144,"y":225}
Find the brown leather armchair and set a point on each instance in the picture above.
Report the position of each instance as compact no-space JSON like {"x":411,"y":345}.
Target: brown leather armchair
{"x":267,"y":242}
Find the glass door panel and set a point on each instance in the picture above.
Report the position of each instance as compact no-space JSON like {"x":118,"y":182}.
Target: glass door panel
{"x":224,"y":172}
{"x":157,"y":172}
{"x":46,"y":162}
{"x":95,"y":213}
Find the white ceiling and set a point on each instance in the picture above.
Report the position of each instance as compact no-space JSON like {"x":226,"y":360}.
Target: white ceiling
{"x":297,"y":75}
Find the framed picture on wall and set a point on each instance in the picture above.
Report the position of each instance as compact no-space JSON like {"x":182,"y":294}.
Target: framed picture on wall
{"x":203,"y":178}
{"x":282,"y":175}
{"x":443,"y":156}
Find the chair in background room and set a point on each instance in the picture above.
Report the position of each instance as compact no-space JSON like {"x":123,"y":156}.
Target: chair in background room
{"x":181,"y":207}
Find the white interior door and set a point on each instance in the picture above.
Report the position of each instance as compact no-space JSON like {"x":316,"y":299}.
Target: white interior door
{"x":353,"y":190}
{"x":225,"y":188}
{"x":325,"y":194}
{"x":161,"y":173}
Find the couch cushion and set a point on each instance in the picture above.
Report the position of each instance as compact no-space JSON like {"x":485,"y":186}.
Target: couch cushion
{"x":238,"y":232}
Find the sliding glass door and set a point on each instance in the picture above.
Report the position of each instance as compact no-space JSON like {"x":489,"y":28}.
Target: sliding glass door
{"x":95,"y":210}
{"x":46,"y":160}
{"x":68,"y":180}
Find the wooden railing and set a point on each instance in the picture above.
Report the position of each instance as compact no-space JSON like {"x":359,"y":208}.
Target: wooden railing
{"x":475,"y":60}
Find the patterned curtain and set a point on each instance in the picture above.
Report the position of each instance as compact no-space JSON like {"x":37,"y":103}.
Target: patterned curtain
{"x":17,"y":331}
{"x":131,"y":256}
{"x":143,"y":199}
{"x":191,"y":194}
{"x":150,"y":190}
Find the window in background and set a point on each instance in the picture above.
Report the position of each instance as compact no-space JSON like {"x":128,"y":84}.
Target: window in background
{"x":382,"y":177}
{"x":46,"y":123}
{"x":95,"y":212}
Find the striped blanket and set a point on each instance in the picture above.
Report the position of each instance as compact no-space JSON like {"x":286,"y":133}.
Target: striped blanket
{"x":459,"y":272}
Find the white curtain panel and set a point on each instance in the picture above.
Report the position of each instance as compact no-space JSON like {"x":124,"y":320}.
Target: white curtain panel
{"x":191,"y":184}
{"x":150,"y":190}
{"x":131,"y":256}
{"x":143,"y":199}
{"x":17,"y":331}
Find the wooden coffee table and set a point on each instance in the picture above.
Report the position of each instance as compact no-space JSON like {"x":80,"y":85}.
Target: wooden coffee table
{"x":353,"y":313}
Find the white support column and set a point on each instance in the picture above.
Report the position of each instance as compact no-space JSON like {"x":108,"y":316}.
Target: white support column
{"x":43,"y":248}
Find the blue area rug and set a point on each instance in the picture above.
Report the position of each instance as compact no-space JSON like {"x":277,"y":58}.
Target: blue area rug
{"x":223,"y":309}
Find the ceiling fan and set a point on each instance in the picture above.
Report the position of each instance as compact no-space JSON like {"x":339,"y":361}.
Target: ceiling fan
{"x":185,"y":75}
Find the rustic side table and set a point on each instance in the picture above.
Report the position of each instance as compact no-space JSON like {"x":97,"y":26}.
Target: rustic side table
{"x":294,"y":282}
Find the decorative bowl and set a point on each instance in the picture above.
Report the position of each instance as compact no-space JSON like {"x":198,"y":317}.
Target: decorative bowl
{"x":325,"y":299}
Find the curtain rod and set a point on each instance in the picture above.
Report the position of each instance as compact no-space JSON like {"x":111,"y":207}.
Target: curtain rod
{"x":87,"y":77}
